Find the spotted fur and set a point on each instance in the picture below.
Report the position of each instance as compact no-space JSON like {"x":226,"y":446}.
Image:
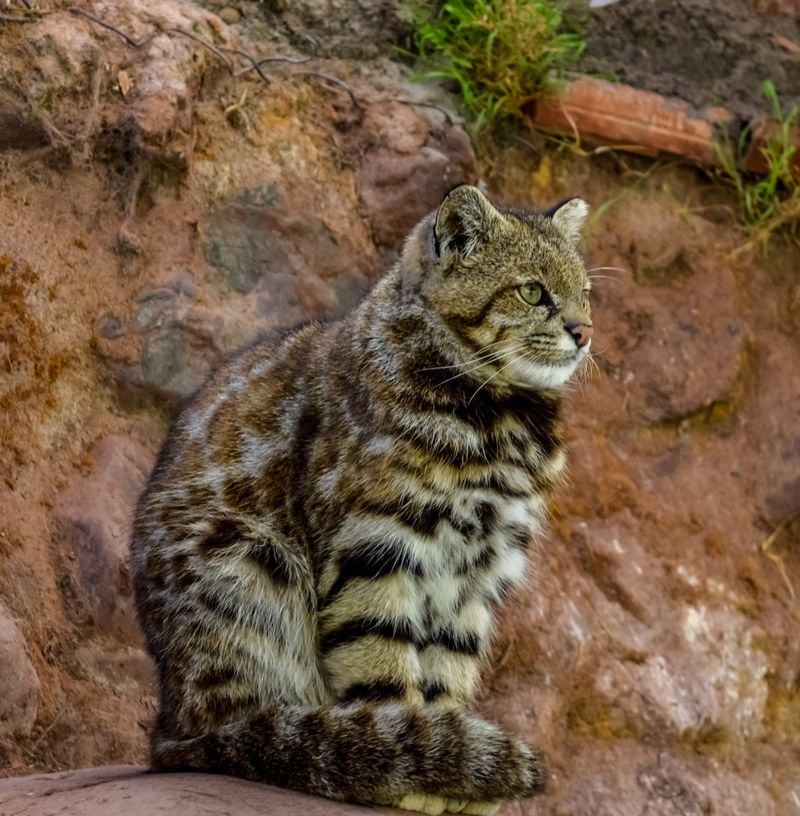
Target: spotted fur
{"x":334,"y":517}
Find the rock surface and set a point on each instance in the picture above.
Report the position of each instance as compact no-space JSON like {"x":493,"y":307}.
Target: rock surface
{"x":19,"y":130}
{"x":408,"y":166}
{"x":654,"y":658}
{"x":123,"y":789}
{"x":342,"y":28}
{"x":91,"y":528}
{"x":19,"y":683}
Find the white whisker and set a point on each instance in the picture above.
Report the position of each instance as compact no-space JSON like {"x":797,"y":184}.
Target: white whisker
{"x":607,"y":269}
{"x":500,"y":355}
{"x":510,"y":362}
{"x":484,"y":353}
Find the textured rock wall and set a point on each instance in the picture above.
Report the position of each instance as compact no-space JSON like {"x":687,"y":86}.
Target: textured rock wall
{"x":158,"y":212}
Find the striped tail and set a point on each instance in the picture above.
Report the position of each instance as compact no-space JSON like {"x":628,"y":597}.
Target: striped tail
{"x":364,"y":752}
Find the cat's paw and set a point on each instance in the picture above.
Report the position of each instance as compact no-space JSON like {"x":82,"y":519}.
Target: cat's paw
{"x":424,"y":803}
{"x":436,"y":805}
{"x":481,"y":808}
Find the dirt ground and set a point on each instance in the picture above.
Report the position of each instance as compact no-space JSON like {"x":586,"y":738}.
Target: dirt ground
{"x":158,"y":211}
{"x":706,"y":52}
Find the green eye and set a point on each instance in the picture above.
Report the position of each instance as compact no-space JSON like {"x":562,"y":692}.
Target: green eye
{"x":531,"y":293}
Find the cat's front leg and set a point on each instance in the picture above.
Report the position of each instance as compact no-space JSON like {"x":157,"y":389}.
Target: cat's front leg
{"x":368,"y":636}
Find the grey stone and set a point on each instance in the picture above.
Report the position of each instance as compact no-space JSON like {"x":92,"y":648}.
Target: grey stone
{"x":175,"y":362}
{"x":243,"y":248}
{"x":290,"y":259}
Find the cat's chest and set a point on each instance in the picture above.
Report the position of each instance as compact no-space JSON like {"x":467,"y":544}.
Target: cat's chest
{"x":492,"y":510}
{"x":478,"y":551}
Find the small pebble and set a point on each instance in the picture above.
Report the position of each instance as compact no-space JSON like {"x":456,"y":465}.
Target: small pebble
{"x":230,"y":15}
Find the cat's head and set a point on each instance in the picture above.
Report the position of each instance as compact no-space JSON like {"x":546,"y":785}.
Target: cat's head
{"x":509,"y":284}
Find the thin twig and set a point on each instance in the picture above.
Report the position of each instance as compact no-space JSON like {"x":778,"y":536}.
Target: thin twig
{"x":336,"y":81}
{"x":212,"y":48}
{"x":524,"y":142}
{"x":20,"y":18}
{"x":38,"y":741}
{"x":314,"y":42}
{"x":238,"y":108}
{"x":777,"y":559}
{"x":104,"y":24}
{"x":255,"y":65}
{"x":411,"y":102}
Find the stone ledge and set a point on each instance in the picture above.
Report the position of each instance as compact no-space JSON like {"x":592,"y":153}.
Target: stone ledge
{"x":125,"y":790}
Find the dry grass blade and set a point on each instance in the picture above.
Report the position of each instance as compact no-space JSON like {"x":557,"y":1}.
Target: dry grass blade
{"x":766,"y":548}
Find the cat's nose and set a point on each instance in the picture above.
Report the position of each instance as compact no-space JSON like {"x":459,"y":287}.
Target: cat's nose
{"x":582,"y":333}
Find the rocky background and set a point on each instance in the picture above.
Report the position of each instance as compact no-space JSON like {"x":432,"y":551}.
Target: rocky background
{"x":165,"y":197}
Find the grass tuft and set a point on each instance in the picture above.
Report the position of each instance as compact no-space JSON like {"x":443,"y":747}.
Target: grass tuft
{"x":502,"y":54}
{"x":769,"y":204}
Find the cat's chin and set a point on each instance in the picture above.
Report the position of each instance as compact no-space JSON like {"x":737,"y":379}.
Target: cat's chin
{"x":543,"y":376}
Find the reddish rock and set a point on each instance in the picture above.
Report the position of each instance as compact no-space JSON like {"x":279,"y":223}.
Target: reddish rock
{"x":631,"y":119}
{"x":91,"y":531}
{"x":117,"y":790}
{"x":676,"y":350}
{"x":19,"y":684}
{"x":409,"y":164}
{"x":639,"y":121}
{"x":627,"y":779}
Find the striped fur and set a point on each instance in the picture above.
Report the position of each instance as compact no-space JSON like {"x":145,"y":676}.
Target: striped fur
{"x":335,"y":515}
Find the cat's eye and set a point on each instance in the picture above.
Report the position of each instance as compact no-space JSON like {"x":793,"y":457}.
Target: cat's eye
{"x":531,"y":293}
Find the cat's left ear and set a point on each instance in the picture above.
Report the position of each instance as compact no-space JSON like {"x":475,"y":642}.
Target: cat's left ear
{"x":569,"y":218}
{"x":464,"y":221}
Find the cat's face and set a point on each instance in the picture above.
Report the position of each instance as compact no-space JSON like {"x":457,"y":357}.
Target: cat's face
{"x":511,"y":286}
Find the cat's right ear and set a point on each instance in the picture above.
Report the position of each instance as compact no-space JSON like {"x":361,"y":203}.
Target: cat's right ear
{"x":569,"y":218}
{"x":463,"y":222}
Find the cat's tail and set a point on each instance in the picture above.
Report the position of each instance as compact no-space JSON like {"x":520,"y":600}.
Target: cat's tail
{"x":364,"y":752}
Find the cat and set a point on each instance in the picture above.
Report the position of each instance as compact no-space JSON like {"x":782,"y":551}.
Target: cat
{"x":336,"y":514}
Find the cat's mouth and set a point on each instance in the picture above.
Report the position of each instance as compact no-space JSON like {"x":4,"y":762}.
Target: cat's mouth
{"x":534,"y":371}
{"x":573,"y":356}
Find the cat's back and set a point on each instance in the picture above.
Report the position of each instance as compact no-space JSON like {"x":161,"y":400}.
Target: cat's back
{"x":231,"y":453}
{"x":246,"y":409}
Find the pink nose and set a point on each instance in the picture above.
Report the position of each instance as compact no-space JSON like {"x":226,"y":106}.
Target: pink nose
{"x":581,"y":332}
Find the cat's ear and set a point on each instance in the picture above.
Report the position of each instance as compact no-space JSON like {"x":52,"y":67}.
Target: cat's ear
{"x":464,"y":220}
{"x":569,"y":218}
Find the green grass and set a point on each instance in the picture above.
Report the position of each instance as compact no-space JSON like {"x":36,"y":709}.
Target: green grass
{"x":502,"y":54}
{"x":771,"y":203}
